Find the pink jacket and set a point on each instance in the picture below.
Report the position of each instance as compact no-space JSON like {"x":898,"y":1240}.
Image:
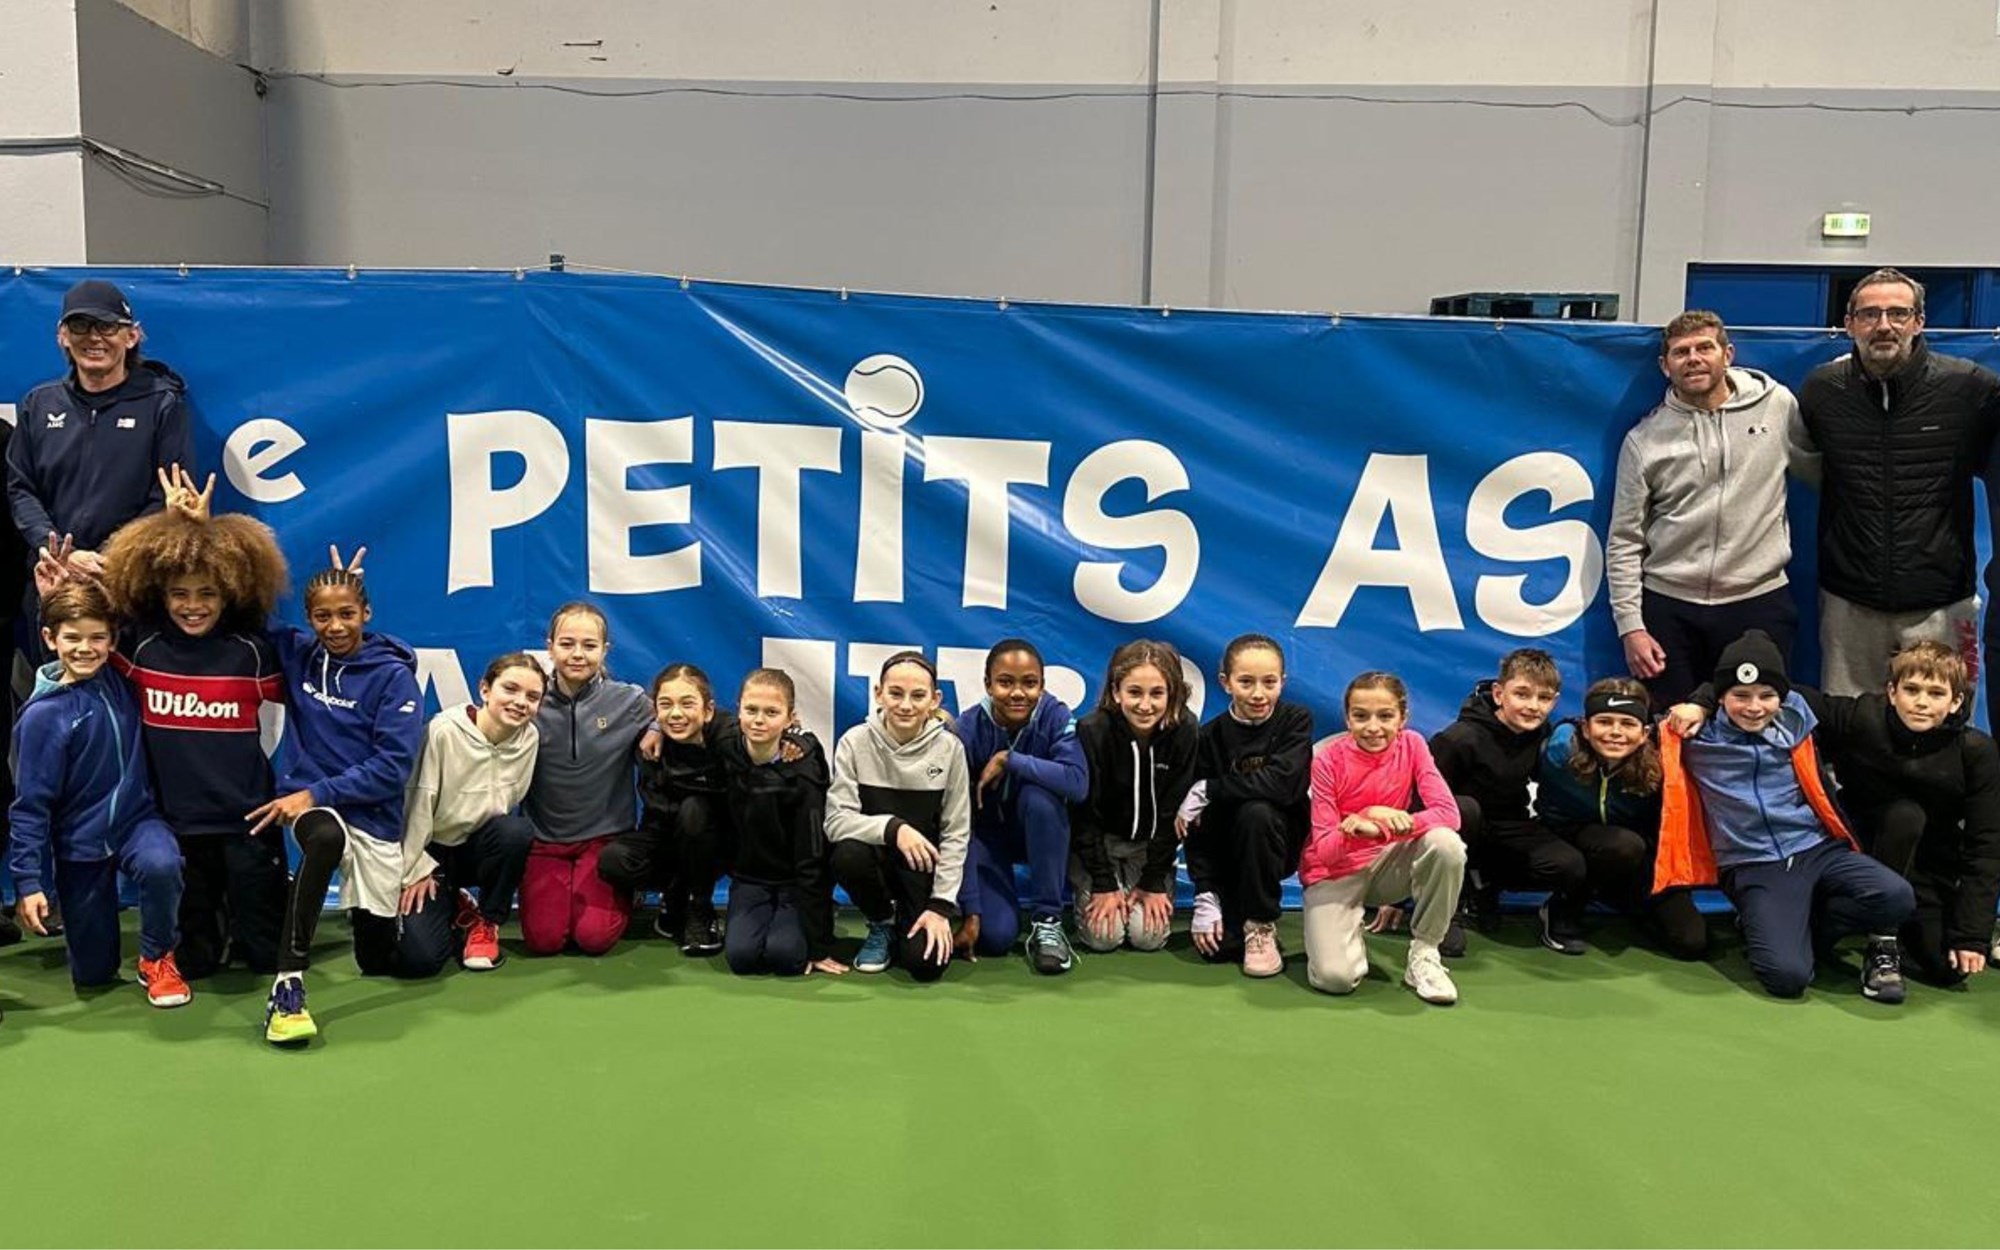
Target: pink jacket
{"x":1346,"y":779}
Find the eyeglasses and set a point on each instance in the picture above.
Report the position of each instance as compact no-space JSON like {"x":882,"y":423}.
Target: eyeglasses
{"x":1900,"y":315}
{"x":84,"y":327}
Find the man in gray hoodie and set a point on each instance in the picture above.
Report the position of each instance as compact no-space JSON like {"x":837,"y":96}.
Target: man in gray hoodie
{"x":1699,"y":540}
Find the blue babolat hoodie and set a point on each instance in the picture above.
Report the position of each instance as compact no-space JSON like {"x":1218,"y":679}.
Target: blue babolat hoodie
{"x":1044,"y":751}
{"x":1751,"y":798}
{"x":82,"y":784}
{"x":356,"y":727}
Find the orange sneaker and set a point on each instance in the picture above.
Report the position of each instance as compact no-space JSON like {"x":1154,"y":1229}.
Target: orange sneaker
{"x":482,"y":946}
{"x":164,"y":984}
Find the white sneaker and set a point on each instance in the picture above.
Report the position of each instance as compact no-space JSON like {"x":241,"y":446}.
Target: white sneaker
{"x":1427,"y":976}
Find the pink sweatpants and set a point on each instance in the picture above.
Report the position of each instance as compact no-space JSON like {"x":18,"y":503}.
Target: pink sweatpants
{"x":563,"y":900}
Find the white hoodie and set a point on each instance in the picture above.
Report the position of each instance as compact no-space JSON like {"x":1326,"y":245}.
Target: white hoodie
{"x":461,"y":782}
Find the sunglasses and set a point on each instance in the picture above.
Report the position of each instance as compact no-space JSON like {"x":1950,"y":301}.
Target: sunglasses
{"x":84,"y":327}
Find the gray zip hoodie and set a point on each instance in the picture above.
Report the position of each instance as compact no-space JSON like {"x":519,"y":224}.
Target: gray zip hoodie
{"x":584,"y":780}
{"x":1699,"y":510}
{"x":923,"y":783}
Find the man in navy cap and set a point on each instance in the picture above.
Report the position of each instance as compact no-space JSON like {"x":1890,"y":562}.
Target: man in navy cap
{"x":87,"y":446}
{"x":82,"y":459}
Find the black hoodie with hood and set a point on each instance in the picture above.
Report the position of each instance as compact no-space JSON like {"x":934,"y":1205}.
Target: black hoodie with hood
{"x":1135,"y":790}
{"x":1952,"y":772}
{"x":1486,"y":761}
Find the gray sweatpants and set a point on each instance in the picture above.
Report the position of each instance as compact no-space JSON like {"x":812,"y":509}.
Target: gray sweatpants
{"x":1430,"y":868}
{"x":1127,"y":859}
{"x":1855,"y":643}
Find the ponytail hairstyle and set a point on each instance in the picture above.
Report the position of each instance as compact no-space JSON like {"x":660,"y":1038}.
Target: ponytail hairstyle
{"x":1138,"y":654}
{"x":1250,"y":642}
{"x":583,"y":607}
{"x":1641,"y":772}
{"x":923,"y":662}
{"x":776,"y":678}
{"x":688,"y":673}
{"x":1378,"y":679}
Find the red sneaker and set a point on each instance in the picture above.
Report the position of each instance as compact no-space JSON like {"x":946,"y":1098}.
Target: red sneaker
{"x":164,"y":985}
{"x":482,"y":946}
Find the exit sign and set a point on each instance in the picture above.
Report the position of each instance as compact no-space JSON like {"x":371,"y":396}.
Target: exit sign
{"x":1843,"y":226}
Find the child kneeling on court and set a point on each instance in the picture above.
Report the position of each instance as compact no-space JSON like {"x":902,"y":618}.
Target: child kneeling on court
{"x":898,"y":816}
{"x":1248,"y":814}
{"x":83,"y":808}
{"x":777,"y":805}
{"x":460,"y":824}
{"x":1924,"y":787}
{"x":1745,"y":800}
{"x":1600,"y":792}
{"x":1020,"y":745}
{"x":1368,"y":847}
{"x":1139,"y":746}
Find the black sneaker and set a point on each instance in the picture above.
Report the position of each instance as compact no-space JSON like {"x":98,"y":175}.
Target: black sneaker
{"x":1554,"y":935}
{"x":1479,"y":908}
{"x":702,"y":934}
{"x":1049,"y":951}
{"x":1882,"y":971}
{"x":1453,"y":946}
{"x":670,"y":920}
{"x":10,"y":932}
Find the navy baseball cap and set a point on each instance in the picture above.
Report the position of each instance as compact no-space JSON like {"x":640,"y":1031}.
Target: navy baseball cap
{"x":96,"y":298}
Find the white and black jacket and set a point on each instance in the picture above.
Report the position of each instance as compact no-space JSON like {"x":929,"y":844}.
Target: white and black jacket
{"x":879,"y":783}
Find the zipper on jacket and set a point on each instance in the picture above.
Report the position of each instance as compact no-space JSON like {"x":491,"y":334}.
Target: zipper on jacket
{"x":1603,"y":798}
{"x":118,"y":743}
{"x":1888,"y":488}
{"x":1757,"y":788}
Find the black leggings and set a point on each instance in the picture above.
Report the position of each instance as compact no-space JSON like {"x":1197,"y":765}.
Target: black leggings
{"x":887,"y":891}
{"x":322,"y":842}
{"x":677,"y":850}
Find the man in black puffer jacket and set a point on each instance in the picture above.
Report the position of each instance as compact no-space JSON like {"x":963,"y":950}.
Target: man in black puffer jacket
{"x":1899,"y":433}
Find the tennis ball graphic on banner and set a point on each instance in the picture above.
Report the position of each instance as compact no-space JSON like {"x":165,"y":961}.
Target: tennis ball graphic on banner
{"x":884,"y":391}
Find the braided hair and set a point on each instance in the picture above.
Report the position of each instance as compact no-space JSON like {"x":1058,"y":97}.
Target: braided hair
{"x":329,"y":578}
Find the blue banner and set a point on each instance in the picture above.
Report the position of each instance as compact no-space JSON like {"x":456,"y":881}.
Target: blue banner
{"x":812,"y":479}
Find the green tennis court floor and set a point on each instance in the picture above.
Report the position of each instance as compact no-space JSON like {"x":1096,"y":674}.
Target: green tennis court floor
{"x":647,"y":1099}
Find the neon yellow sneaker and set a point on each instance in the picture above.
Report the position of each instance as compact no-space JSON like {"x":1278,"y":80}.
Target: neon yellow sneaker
{"x":286,"y":1020}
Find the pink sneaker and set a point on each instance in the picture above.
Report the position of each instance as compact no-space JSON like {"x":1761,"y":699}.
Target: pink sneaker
{"x":1262,"y":956}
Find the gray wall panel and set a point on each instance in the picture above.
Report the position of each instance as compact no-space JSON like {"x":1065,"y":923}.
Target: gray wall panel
{"x":1378,"y":207}
{"x":1040,"y":198}
{"x":144,"y":90}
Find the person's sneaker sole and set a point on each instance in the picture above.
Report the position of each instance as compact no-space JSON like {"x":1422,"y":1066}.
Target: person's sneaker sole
{"x":481,"y":964}
{"x":1425,"y":998}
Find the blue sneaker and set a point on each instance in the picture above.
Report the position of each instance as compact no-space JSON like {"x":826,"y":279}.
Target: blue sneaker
{"x":874,"y":953}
